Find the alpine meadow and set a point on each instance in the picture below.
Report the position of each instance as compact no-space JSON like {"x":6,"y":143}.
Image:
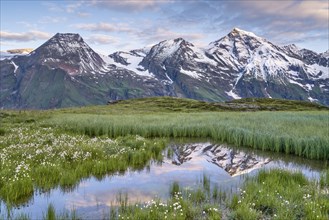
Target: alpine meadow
{"x":164,"y":110}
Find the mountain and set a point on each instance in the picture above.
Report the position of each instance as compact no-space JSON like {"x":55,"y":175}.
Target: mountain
{"x":238,"y":65}
{"x":68,"y":52}
{"x":65,"y":71}
{"x":183,"y":68}
{"x":258,"y":68}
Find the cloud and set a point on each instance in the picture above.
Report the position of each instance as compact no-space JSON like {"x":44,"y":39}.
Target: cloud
{"x":290,"y":37}
{"x":287,"y":21}
{"x":71,"y":8}
{"x":28,"y":25}
{"x":51,"y":6}
{"x":6,"y":44}
{"x":290,"y":13}
{"x":101,"y":39}
{"x":128,"y":5}
{"x":83,"y":14}
{"x":51,"y":20}
{"x":192,"y":13}
{"x":159,"y":34}
{"x":315,"y":9}
{"x":27,"y":36}
{"x":299,"y":20}
{"x":105,"y":27}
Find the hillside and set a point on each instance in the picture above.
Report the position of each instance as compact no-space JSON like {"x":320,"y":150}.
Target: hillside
{"x":182,"y":105}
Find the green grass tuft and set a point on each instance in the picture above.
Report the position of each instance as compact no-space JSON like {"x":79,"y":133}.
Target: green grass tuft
{"x":279,"y":194}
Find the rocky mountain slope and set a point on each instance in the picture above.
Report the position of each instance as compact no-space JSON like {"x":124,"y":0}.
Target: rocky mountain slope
{"x":65,"y":71}
{"x":240,"y":64}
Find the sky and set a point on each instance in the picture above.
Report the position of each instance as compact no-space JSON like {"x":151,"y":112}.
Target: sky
{"x":122,"y":25}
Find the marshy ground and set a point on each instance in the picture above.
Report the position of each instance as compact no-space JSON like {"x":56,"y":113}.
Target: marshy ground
{"x":44,"y":150}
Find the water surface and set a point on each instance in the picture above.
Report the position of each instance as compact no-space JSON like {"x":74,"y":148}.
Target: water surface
{"x":226,"y":167}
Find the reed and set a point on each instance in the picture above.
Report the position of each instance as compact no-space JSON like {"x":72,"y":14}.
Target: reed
{"x":271,"y":194}
{"x":304,"y":134}
{"x":324,"y":180}
{"x":184,"y":203}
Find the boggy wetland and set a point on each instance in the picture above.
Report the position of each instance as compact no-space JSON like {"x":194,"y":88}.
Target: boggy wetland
{"x":166,"y":158}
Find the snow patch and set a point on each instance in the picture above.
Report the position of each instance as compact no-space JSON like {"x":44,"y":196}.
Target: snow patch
{"x":315,"y":69}
{"x":312,"y":100}
{"x":170,"y":81}
{"x":233,"y":95}
{"x":133,"y":64}
{"x":309,"y":86}
{"x":239,"y":77}
{"x":268,"y":94}
{"x":16,"y":67}
{"x":201,"y":56}
{"x":190,"y":73}
{"x":297,"y":83}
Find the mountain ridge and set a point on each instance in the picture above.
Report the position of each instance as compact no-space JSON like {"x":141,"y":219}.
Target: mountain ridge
{"x":65,"y":71}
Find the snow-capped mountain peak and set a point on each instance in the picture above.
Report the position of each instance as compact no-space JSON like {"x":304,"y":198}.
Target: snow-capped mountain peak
{"x":167,"y":48}
{"x":292,"y":49}
{"x":64,"y":43}
{"x":68,"y":51}
{"x":238,"y":65}
{"x":242,"y":33}
{"x":237,"y":48}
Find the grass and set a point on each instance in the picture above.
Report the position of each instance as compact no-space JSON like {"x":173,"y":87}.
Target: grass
{"x":279,"y":194}
{"x":271,"y":194}
{"x":184,"y":203}
{"x":274,"y":194}
{"x":324,"y":179}
{"x":304,"y":134}
{"x":276,"y":104}
{"x":40,"y":150}
{"x":52,"y":214}
{"x":172,"y":104}
{"x":41,"y":159}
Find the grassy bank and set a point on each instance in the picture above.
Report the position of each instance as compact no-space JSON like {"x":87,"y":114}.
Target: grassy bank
{"x":273,"y":194}
{"x":303,"y":134}
{"x":200,"y":203}
{"x":43,"y":158}
{"x":280,"y":194}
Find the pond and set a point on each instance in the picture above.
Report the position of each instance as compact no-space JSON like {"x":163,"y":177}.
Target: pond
{"x":185,"y":163}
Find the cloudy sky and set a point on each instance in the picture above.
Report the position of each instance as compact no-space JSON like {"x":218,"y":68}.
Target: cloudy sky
{"x":108,"y":26}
